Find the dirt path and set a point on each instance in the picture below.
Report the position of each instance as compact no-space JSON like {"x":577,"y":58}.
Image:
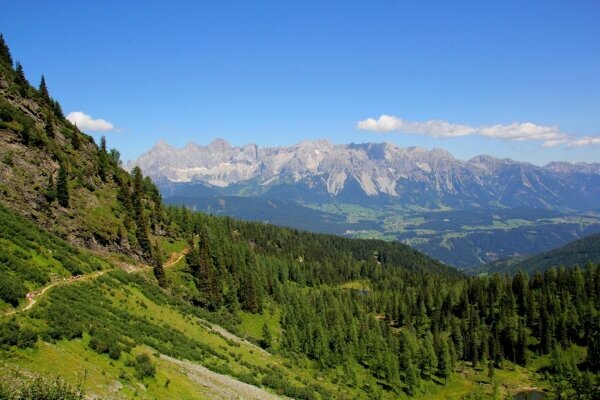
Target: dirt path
{"x":33,"y":300}
{"x":173,"y":259}
{"x":220,"y":386}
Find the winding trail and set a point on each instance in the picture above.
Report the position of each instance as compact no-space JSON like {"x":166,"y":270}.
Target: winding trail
{"x":217,"y":386}
{"x":174,"y":258}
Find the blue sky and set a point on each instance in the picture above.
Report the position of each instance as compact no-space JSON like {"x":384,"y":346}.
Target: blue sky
{"x":278,"y":72}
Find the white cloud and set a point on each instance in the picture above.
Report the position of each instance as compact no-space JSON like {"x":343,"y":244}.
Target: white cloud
{"x":87,"y":123}
{"x":435,"y":128}
{"x":584,"y":141}
{"x":549,"y":135}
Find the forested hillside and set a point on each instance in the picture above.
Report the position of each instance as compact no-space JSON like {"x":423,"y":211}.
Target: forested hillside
{"x":123,"y":297}
{"x":579,"y":252}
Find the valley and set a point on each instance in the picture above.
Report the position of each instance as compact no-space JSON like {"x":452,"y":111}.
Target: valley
{"x":462,"y":238}
{"x":464,"y":213}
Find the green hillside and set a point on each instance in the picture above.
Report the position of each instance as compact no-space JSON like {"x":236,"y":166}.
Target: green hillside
{"x":579,"y":252}
{"x":129,"y":298}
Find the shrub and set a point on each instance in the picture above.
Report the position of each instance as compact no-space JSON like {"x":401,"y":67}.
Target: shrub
{"x":9,"y":332}
{"x":104,"y":341}
{"x":15,"y":386}
{"x":11,"y":290}
{"x":27,"y":338}
{"x":144,"y":367}
{"x":12,"y":334}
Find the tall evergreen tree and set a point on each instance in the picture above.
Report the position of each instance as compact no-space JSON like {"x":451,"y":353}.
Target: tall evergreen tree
{"x":444,"y":360}
{"x":158,"y":268}
{"x":5,"y":56}
{"x":207,"y":279}
{"x":20,"y":78}
{"x":142,"y":233}
{"x":76,"y":139}
{"x":247,"y":293}
{"x":49,"y":127}
{"x":267,"y":337}
{"x":62,"y":187}
{"x":50,"y":192}
{"x":44,"y":91}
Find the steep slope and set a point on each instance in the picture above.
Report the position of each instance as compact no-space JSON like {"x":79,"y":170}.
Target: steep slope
{"x":372,"y":174}
{"x":579,"y":252}
{"x":54,"y":174}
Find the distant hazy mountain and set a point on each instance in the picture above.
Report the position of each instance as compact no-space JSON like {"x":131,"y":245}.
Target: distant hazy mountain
{"x":369,"y":174}
{"x":579,"y":252}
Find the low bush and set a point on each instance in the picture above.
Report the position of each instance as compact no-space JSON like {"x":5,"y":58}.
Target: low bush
{"x":144,"y":367}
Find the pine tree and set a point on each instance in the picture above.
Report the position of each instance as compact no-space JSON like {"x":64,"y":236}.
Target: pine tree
{"x":593,"y":357}
{"x":50,"y":192}
{"x":103,"y":165}
{"x":62,"y":187}
{"x":5,"y":56}
{"x":49,"y":128}
{"x":231,"y":300}
{"x":444,"y":360}
{"x":159,"y":272}
{"x":248,"y":297}
{"x":142,"y":233}
{"x":20,"y":78}
{"x":76,"y":139}
{"x":57,"y":109}
{"x":428,"y":361}
{"x":44,"y":91}
{"x":207,"y":279}
{"x":267,"y":337}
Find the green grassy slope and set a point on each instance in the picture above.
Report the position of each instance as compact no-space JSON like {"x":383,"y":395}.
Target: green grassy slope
{"x":30,"y":258}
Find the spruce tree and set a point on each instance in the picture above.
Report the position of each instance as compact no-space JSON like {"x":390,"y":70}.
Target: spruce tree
{"x":44,"y":91}
{"x":62,"y":188}
{"x":76,"y":140}
{"x":57,"y":109}
{"x":593,"y":357}
{"x":267,"y":337}
{"x":444,"y":360}
{"x":50,"y":192}
{"x":159,"y":272}
{"x":141,"y":232}
{"x":5,"y":56}
{"x":231,"y":300}
{"x":49,"y":128}
{"x":208,"y":279}
{"x":20,"y":78}
{"x":248,"y":297}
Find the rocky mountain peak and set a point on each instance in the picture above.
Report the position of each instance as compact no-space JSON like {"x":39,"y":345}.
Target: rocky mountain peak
{"x":219,"y":145}
{"x":370,"y":170}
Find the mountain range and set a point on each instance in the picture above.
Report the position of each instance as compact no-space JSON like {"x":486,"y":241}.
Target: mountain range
{"x":370,"y":174}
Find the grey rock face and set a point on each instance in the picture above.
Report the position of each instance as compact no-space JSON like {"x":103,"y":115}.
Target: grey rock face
{"x":372,"y":172}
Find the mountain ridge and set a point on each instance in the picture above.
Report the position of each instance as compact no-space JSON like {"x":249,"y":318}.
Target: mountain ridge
{"x":433,"y":179}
